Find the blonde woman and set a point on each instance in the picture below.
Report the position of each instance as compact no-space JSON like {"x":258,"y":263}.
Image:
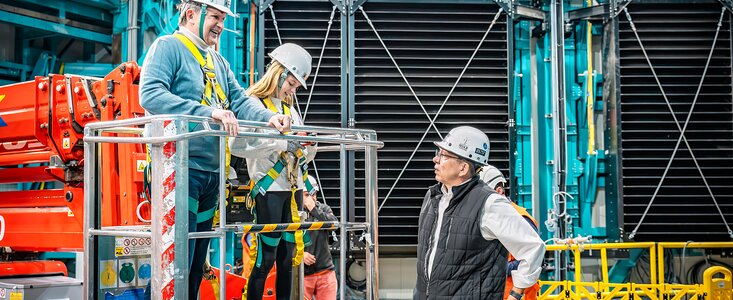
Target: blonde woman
{"x":277,"y":169}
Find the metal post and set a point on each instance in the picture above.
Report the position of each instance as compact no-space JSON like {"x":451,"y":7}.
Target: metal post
{"x":343,"y":236}
{"x":612,"y":134}
{"x":132,"y":9}
{"x":372,"y":218}
{"x":557,"y":28}
{"x":301,"y":277}
{"x":222,"y":215}
{"x":260,"y":41}
{"x":301,"y":267}
{"x":90,"y":213}
{"x":170,"y":239}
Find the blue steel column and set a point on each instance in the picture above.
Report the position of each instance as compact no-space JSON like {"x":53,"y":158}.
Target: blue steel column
{"x":573,"y":94}
{"x":542,"y":142}
{"x":612,"y":134}
{"x":521,"y":102}
{"x":558,"y":115}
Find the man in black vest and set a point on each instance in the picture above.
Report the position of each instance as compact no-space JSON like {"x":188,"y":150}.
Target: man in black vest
{"x":466,"y":228}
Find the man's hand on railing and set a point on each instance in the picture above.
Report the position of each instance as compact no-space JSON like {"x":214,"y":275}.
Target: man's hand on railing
{"x":280,"y":122}
{"x":227,"y":117}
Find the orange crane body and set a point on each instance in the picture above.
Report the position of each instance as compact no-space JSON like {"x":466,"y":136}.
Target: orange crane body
{"x":43,"y":122}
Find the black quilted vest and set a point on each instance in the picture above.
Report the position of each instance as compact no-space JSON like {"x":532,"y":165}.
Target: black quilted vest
{"x":466,"y":266}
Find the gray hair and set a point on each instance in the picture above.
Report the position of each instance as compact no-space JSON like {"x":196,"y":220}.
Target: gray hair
{"x":183,"y":7}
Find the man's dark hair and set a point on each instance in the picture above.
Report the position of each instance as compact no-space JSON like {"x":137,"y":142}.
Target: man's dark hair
{"x":472,"y":167}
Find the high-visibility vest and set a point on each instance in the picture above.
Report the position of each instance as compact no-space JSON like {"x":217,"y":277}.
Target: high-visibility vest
{"x":530,"y":293}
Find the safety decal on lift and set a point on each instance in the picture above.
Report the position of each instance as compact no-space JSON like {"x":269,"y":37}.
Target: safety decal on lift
{"x":66,"y":143}
{"x":141,"y":164}
{"x":107,"y":274}
{"x":131,"y":246}
{"x":13,"y":295}
{"x":16,"y":295}
{"x":2,"y":123}
{"x":126,"y":272}
{"x":144,"y":270}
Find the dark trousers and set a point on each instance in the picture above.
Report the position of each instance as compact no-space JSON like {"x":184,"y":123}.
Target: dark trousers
{"x":273,"y":207}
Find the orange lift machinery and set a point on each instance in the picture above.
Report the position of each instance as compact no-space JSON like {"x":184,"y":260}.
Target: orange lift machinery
{"x":41,"y":140}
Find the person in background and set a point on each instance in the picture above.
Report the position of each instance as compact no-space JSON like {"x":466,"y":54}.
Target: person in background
{"x":320,"y":274}
{"x":496,"y":181}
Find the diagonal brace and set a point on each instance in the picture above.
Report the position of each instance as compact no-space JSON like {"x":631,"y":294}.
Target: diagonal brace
{"x":677,"y":123}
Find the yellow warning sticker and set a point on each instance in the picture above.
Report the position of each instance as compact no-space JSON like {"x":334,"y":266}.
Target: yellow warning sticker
{"x":141,"y":163}
{"x":119,"y":251}
{"x":16,"y":295}
{"x":67,"y":143}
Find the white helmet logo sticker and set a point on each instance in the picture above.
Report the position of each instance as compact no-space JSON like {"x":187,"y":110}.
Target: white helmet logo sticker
{"x":463,"y":145}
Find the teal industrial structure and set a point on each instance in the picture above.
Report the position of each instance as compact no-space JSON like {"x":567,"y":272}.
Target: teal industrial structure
{"x":550,"y":89}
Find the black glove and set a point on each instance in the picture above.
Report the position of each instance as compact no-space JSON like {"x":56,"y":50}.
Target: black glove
{"x":293,"y":147}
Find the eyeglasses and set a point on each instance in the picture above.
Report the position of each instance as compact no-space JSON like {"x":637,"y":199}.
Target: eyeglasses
{"x":443,"y":156}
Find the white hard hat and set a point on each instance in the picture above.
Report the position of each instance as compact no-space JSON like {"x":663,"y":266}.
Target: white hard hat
{"x":295,"y":59}
{"x":222,"y":5}
{"x":314,"y":183}
{"x":467,"y":142}
{"x":492,"y":176}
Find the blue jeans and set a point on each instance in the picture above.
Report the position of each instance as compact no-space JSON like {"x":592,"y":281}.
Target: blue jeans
{"x":203,"y":198}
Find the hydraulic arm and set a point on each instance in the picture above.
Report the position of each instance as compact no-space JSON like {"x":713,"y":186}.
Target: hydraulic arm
{"x":41,"y":141}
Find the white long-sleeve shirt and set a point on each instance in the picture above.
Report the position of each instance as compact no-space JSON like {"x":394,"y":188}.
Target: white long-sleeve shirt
{"x":499,"y":220}
{"x":261,"y":154}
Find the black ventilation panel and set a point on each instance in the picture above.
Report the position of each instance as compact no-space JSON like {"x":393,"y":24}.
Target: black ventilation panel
{"x":431,"y":42}
{"x":678,"y":39}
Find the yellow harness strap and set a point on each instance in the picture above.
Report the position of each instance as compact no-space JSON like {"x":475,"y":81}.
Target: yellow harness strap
{"x":213,"y":96}
{"x":295,"y":218}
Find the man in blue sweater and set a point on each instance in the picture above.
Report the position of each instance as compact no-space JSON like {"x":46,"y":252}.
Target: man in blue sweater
{"x":183,"y":74}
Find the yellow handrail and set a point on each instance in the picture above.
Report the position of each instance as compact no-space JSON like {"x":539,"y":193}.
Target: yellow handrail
{"x":713,"y":288}
{"x":604,"y":255}
{"x":680,"y":245}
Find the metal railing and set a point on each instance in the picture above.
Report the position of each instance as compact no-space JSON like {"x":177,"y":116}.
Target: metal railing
{"x":167,"y":137}
{"x":713,"y":287}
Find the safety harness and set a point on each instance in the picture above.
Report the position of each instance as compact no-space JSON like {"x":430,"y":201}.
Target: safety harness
{"x":213,"y":96}
{"x":284,"y":163}
{"x":262,"y":185}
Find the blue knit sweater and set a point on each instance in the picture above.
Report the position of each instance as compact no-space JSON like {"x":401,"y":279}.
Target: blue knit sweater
{"x":172,"y":82}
